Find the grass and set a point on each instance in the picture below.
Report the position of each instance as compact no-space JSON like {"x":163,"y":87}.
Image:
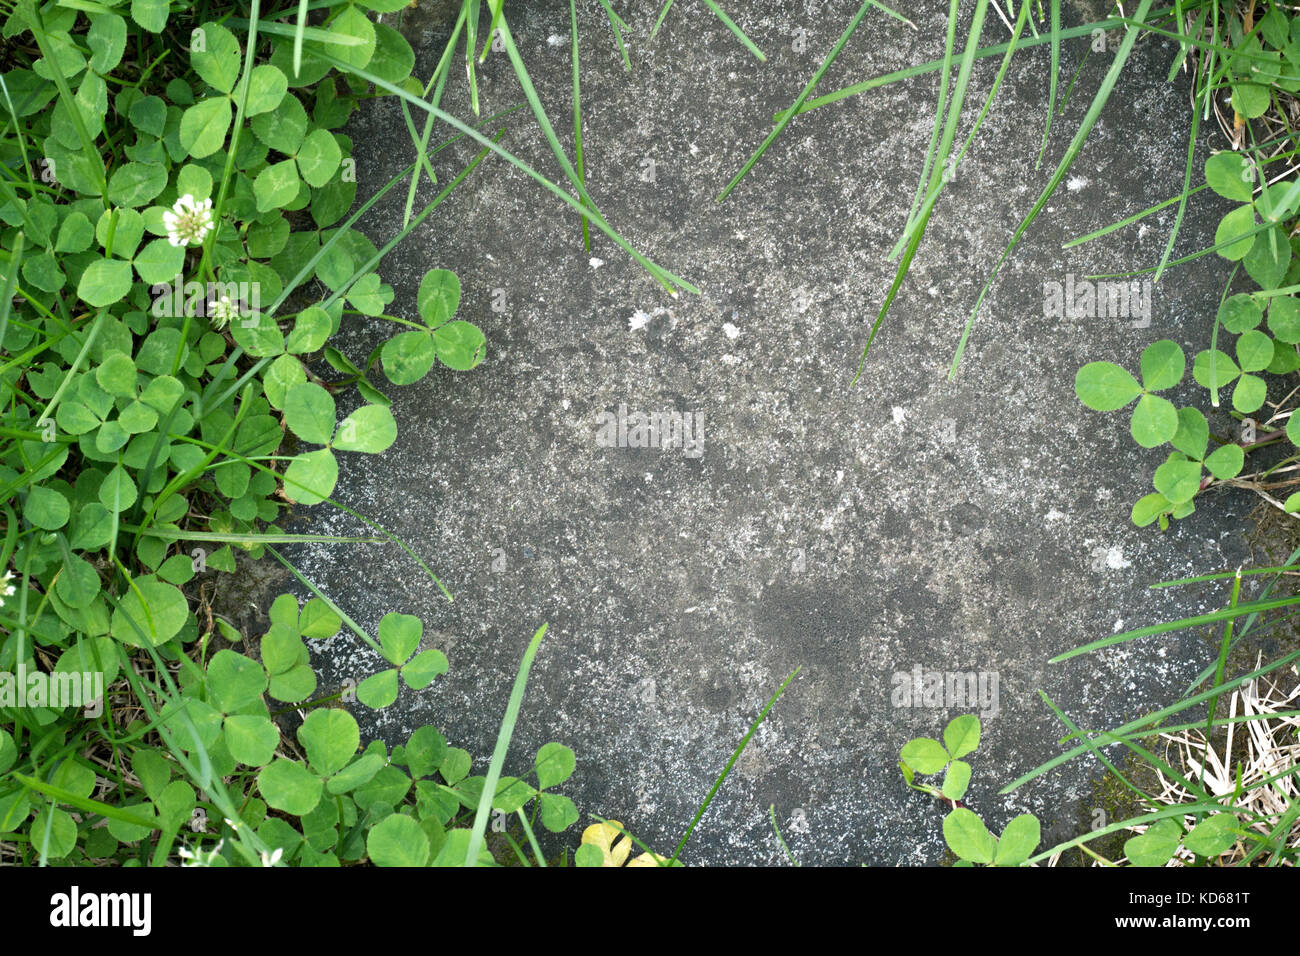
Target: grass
{"x":1271,"y":832}
{"x":236,"y":375}
{"x":1214,"y":691}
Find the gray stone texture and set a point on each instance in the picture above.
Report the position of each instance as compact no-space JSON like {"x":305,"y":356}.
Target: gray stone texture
{"x":977,"y":525}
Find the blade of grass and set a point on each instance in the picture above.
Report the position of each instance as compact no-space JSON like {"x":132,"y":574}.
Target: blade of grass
{"x":1076,"y":145}
{"x":771,"y":812}
{"x":499,"y":752}
{"x":86,"y":804}
{"x":11,"y":280}
{"x":1253,"y":619}
{"x":548,"y":131}
{"x":660,"y":22}
{"x":1214,"y":340}
{"x":1223,"y":660}
{"x":937,"y":174}
{"x":665,"y":278}
{"x":940,"y":178}
{"x":70,"y":104}
{"x":618,"y":25}
{"x":731,"y":763}
{"x":945,"y":75}
{"x":249,"y":844}
{"x":532,"y":839}
{"x":799,"y":100}
{"x":1142,"y":725}
{"x":1096,"y":751}
{"x":1056,"y":69}
{"x":471,"y":40}
{"x":1182,"y":200}
{"x":496,"y":7}
{"x":907,"y":73}
{"x":1199,"y":254}
{"x":356,"y":628}
{"x":299,"y":27}
{"x":739,"y":33}
{"x":1136,"y":217}
{"x":1212,"y":617}
{"x":344,"y":508}
{"x":577,"y":114}
{"x":1178,"y":811}
{"x":178,"y":534}
{"x":437,"y":82}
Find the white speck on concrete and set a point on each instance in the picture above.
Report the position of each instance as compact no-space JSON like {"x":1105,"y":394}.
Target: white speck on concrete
{"x":731,"y":331}
{"x":640,"y":319}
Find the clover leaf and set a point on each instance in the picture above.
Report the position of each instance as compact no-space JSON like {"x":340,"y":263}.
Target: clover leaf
{"x":1105,"y":386}
{"x":399,"y":637}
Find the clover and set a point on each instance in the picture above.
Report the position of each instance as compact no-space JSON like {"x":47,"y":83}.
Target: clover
{"x":1106,"y":387}
{"x":1216,"y":369}
{"x":963,"y":830}
{"x":399,"y":636}
{"x":309,"y":412}
{"x":457,"y":344}
{"x":189,"y":221}
{"x":285,"y":656}
{"x":1179,"y":479}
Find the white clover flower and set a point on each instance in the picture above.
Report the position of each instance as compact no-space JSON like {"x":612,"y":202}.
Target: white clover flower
{"x":188,"y":221}
{"x":272,"y":859}
{"x":6,"y":589}
{"x":200,"y":858}
{"x":221,"y":312}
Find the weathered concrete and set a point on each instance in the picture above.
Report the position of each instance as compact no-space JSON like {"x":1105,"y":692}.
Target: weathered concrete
{"x":980,"y":525}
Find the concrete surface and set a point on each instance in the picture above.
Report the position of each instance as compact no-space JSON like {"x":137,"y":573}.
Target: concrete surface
{"x":973,"y":526}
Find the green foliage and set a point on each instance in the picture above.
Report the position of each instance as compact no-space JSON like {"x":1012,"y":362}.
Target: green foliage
{"x":1259,"y":61}
{"x":963,"y":830}
{"x":167,"y":212}
{"x":1253,"y":234}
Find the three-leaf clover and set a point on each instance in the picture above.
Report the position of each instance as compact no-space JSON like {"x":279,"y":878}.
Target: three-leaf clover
{"x":309,"y":412}
{"x":926,"y":755}
{"x":285,"y":656}
{"x":1178,"y":480}
{"x":399,"y":636}
{"x":459,"y":345}
{"x":235,"y":685}
{"x":1105,"y":387}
